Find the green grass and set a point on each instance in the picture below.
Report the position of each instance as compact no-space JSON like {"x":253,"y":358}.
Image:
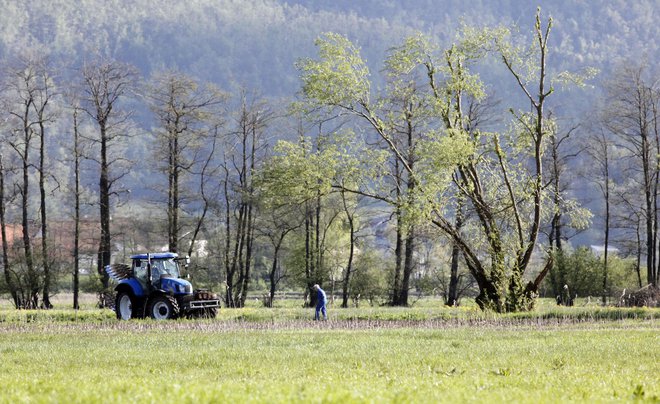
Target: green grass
{"x":170,"y":363}
{"x":422,"y":354}
{"x":425,"y":310}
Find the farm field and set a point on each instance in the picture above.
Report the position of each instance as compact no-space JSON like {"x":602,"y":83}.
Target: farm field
{"x":420,"y":354}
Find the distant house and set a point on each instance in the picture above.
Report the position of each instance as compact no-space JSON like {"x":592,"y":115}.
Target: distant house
{"x":599,"y":250}
{"x":14,"y":232}
{"x":60,"y":234}
{"x":200,"y":250}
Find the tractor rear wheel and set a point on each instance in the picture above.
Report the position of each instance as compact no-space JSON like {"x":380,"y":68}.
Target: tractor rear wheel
{"x":124,"y":306}
{"x":163,"y":308}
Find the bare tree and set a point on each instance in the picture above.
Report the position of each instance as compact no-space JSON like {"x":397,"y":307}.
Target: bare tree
{"x":242,"y":156}
{"x":209,"y":192}
{"x":632,"y":116}
{"x":30,"y":87}
{"x":567,"y":219}
{"x":628,"y":219}
{"x":105,"y":83}
{"x":601,"y":153}
{"x":77,"y":192}
{"x":10,"y":278}
{"x":184,"y":109}
{"x":44,"y":96}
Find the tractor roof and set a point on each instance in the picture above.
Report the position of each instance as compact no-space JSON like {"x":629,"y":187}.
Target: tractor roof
{"x":156,"y":256}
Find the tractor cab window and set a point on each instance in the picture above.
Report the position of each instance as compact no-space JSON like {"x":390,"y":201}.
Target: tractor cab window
{"x":167,"y":267}
{"x":140,"y":271}
{"x":159,"y":268}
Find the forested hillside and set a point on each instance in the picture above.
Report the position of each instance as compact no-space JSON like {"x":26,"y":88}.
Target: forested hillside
{"x":255,"y":43}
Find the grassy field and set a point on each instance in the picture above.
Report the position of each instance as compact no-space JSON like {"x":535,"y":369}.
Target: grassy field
{"x":420,"y":354}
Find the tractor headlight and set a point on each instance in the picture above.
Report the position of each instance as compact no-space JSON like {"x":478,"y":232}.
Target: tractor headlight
{"x":183,"y":288}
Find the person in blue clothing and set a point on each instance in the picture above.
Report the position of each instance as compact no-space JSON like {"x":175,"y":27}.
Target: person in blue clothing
{"x":321,"y":300}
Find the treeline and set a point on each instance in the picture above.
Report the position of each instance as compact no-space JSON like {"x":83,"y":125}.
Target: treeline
{"x":59,"y":137}
{"x":428,"y":184}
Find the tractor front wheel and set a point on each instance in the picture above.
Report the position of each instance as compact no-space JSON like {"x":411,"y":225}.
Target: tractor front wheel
{"x":124,"y":306}
{"x":163,"y":308}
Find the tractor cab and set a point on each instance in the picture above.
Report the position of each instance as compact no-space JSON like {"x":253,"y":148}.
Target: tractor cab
{"x":151,"y":271}
{"x":160,"y":271}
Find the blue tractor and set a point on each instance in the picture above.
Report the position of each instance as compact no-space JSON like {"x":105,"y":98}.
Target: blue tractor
{"x":152,"y":287}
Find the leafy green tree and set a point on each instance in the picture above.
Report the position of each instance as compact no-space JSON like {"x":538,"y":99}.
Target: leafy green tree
{"x":584,"y":276}
{"x":490,"y":170}
{"x":369,"y":280}
{"x":402,"y":118}
{"x":275,"y":225}
{"x":298,"y":176}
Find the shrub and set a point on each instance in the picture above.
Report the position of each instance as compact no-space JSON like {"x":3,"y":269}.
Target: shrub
{"x":583,"y":272}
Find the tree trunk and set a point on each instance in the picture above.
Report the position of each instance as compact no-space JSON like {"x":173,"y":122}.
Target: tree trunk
{"x":452,"y":295}
{"x":309,"y":256}
{"x":638,"y":257}
{"x":5,"y":246}
{"x":104,"y":254}
{"x":650,"y":212}
{"x":654,"y":99}
{"x":313,"y":249}
{"x":398,"y":248}
{"x":248,"y":255}
{"x":237,"y":260}
{"x":349,"y":265}
{"x":606,"y":253}
{"x":349,"y":269}
{"x":273,"y":272}
{"x":173,"y":204}
{"x":227,"y":253}
{"x":251,"y":133}
{"x":44,"y":223}
{"x":398,"y":256}
{"x":606,"y":192}
{"x":25,"y":220}
{"x":318,"y":253}
{"x":76,"y":232}
{"x":202,"y":190}
{"x":558,"y":270}
{"x":408,"y":267}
